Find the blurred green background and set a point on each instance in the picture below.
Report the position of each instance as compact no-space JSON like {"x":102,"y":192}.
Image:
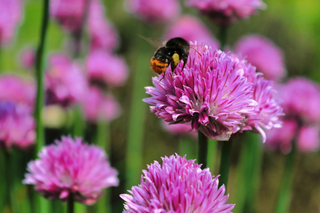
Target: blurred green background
{"x":293,"y":25}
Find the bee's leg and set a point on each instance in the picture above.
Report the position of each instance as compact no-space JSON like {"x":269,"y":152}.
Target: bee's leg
{"x":185,"y":59}
{"x":163,"y":76}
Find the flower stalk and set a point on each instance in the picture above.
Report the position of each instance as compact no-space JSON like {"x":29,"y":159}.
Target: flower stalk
{"x":41,"y":204}
{"x":202,"y":149}
{"x":225,"y":163}
{"x":70,"y":204}
{"x":283,"y":201}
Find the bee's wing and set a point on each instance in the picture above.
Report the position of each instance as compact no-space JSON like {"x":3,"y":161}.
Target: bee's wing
{"x":153,"y":42}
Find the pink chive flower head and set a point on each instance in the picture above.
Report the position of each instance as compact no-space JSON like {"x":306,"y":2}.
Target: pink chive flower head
{"x":191,"y":29}
{"x":177,"y":186}
{"x":282,"y":139}
{"x":71,"y":168}
{"x":268,"y":110}
{"x":106,"y":69}
{"x":16,"y":89}
{"x":69,"y":13}
{"x":210,"y":92}
{"x":225,"y":12}
{"x":308,"y":139}
{"x":64,"y":81}
{"x":10,"y":17}
{"x":16,"y":126}
{"x":153,"y":11}
{"x":97,"y":106}
{"x":102,"y":33}
{"x":263,"y":54}
{"x":301,"y":100}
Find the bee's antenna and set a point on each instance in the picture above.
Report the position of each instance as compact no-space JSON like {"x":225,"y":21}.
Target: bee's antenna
{"x":196,"y":51}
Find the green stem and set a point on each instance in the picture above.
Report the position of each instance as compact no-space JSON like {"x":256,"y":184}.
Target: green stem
{"x":8,"y":184}
{"x":41,"y":204}
{"x":225,"y":163}
{"x":40,"y":77}
{"x":137,"y":114}
{"x":70,"y":204}
{"x":103,"y":140}
{"x":285,"y":190}
{"x":202,"y":149}
{"x":223,"y":37}
{"x":212,"y":154}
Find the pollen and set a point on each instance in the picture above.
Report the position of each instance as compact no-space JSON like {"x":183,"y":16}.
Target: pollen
{"x":175,"y":59}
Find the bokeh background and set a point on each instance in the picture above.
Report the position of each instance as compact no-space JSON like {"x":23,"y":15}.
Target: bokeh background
{"x":293,"y":25}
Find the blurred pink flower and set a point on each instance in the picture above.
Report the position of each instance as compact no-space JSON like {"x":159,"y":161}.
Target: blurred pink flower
{"x":191,"y":29}
{"x":16,"y":125}
{"x":308,"y":140}
{"x":97,"y":106}
{"x":71,"y":168}
{"x":102,"y":34}
{"x":27,"y":58}
{"x":177,"y":186}
{"x":16,"y":89}
{"x":154,"y":11}
{"x":106,"y":69}
{"x":301,"y":100}
{"x":10,"y":16}
{"x":282,"y":139}
{"x":178,"y":129}
{"x":210,"y":92}
{"x":64,"y":81}
{"x":263,"y":54}
{"x":69,"y":13}
{"x":225,"y":12}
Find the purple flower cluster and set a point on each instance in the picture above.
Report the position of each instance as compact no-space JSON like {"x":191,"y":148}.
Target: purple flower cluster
{"x":225,"y":12}
{"x":97,"y":106}
{"x":263,"y":54}
{"x":191,"y":29}
{"x":16,"y":125}
{"x":65,"y":83}
{"x":177,"y":186}
{"x":153,"y":11}
{"x":301,"y":101}
{"x":71,"y":168}
{"x":10,"y":16}
{"x":216,"y":93}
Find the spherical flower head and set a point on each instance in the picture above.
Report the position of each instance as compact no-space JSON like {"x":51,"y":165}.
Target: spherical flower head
{"x":266,"y":113}
{"x":69,"y":13}
{"x":177,"y":186}
{"x":153,"y":11}
{"x":263,"y":54}
{"x":18,"y":90}
{"x":16,"y":125}
{"x":191,"y":29}
{"x":102,"y":33}
{"x":301,"y":100}
{"x":106,"y":69}
{"x":97,"y":106}
{"x":225,"y":12}
{"x":282,"y":139}
{"x":10,"y":17}
{"x":65,"y":83}
{"x":210,"y":92}
{"x":71,"y":168}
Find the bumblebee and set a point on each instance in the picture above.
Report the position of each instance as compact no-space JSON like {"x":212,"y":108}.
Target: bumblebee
{"x":171,"y":53}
